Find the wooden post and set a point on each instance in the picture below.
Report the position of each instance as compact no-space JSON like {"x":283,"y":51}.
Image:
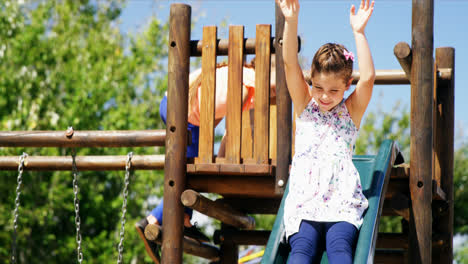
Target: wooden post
{"x":176,"y":132}
{"x":283,"y":108}
{"x":421,"y":131}
{"x":443,"y":149}
{"x":229,"y":250}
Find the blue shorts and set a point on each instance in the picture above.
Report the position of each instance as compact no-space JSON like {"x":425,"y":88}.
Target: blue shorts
{"x":192,"y":149}
{"x":337,"y":238}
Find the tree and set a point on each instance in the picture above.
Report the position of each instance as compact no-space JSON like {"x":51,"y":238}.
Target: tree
{"x":65,"y":63}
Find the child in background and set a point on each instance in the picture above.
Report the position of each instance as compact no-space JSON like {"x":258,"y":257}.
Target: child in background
{"x":325,"y":204}
{"x":248,"y":92}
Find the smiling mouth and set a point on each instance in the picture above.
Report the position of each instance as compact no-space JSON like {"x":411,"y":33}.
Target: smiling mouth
{"x":324,"y":103}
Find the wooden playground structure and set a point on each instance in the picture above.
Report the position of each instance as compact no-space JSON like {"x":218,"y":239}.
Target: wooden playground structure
{"x":253,"y":175}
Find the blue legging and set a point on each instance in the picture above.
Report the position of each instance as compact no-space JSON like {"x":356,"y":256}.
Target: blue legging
{"x":307,"y":245}
{"x":192,"y":151}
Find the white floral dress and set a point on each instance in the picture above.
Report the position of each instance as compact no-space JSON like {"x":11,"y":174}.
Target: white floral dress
{"x":324,"y":185}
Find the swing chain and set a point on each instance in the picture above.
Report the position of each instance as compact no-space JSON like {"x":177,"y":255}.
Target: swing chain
{"x":17,"y":204}
{"x":76,"y":202}
{"x":124,"y":205}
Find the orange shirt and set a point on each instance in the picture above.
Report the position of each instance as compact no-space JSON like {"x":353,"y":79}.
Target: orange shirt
{"x":221,"y":93}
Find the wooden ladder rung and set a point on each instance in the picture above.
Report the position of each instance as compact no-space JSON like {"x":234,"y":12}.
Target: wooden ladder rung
{"x":200,"y":249}
{"x":242,"y":237}
{"x":384,"y":256}
{"x":222,"y":212}
{"x":392,"y":241}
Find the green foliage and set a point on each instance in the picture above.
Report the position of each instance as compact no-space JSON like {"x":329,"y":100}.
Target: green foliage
{"x":380,"y":126}
{"x":460,"y":182}
{"x":65,"y":63}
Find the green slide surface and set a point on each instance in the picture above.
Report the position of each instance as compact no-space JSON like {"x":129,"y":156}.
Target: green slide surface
{"x":375,"y":174}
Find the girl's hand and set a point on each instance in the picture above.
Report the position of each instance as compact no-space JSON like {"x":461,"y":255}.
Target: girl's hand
{"x":359,"y":21}
{"x":289,"y":8}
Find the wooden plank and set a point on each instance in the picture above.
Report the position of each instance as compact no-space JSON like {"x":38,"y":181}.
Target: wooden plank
{"x":444,"y":150}
{"x":262,"y":96}
{"x":421,"y":131}
{"x":234,"y":100}
{"x":247,"y":132}
{"x":222,"y":212}
{"x":207,"y":96}
{"x":284,"y":138}
{"x":273,"y":132}
{"x":231,"y":169}
{"x":228,"y":185}
{"x":176,"y":133}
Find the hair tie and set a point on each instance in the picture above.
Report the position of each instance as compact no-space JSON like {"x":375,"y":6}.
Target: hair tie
{"x":348,"y":55}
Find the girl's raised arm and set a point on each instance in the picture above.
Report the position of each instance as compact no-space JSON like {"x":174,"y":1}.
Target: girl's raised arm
{"x":359,"y":99}
{"x":298,"y":88}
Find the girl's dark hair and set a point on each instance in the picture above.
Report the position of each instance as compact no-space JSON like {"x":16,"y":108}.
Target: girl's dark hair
{"x":329,"y":58}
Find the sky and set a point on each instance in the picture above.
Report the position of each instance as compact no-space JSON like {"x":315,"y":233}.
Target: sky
{"x":328,"y":21}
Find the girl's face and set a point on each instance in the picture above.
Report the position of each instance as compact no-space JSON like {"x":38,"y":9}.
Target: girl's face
{"x":328,"y":89}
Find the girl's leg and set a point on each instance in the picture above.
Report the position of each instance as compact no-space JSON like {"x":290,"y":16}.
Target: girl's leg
{"x":340,"y":240}
{"x":305,"y":244}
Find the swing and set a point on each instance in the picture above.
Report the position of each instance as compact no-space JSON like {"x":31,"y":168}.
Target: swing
{"x":76,"y":206}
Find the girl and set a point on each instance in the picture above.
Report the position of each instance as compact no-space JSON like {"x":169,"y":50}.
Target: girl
{"x":325,"y":202}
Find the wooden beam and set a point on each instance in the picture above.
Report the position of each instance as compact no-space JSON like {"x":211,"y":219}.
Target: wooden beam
{"x":402,"y":52}
{"x":73,"y":139}
{"x":222,"y":46}
{"x":231,"y":169}
{"x":222,"y":212}
{"x":190,"y":246}
{"x":176,"y":145}
{"x":228,"y":185}
{"x":83,"y":163}
{"x":444,"y":96}
{"x":421,"y":131}
{"x":284,"y":107}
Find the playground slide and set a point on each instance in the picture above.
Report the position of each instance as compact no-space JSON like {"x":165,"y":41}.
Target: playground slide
{"x":375,"y":174}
